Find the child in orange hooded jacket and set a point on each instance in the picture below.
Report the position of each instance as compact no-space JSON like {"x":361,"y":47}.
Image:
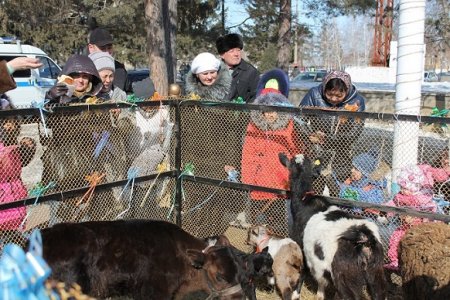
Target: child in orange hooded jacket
{"x":269,"y":133}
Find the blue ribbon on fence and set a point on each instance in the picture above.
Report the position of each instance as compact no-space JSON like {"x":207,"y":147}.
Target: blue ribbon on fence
{"x":102,"y":143}
{"x":233,"y":175}
{"x":131,"y":175}
{"x":41,"y":106}
{"x":22,"y":275}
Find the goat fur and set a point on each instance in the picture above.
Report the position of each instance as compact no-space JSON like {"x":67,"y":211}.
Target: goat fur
{"x":339,"y":248}
{"x":424,"y":261}
{"x":287,"y":259}
{"x":257,"y":267}
{"x":142,"y":259}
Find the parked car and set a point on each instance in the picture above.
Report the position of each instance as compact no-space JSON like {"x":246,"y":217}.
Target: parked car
{"x":135,"y":76}
{"x":444,"y":76}
{"x":315,"y":76}
{"x":31,"y":84}
{"x":430,"y":76}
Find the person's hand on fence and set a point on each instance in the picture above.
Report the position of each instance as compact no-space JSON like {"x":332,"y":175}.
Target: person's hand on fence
{"x":317,"y":137}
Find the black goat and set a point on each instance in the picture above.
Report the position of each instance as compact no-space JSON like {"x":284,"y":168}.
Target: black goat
{"x":339,"y":248}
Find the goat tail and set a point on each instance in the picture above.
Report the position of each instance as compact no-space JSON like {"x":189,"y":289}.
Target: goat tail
{"x":363,"y":242}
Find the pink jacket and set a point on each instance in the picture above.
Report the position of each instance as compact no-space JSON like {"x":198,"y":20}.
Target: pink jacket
{"x":11,"y":187}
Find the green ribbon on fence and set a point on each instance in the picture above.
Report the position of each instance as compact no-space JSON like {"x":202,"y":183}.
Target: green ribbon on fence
{"x":351,"y":194}
{"x":133,"y":99}
{"x":440,"y":113}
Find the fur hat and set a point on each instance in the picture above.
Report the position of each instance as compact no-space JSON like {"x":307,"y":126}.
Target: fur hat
{"x":228,"y":42}
{"x":205,"y":62}
{"x":275,"y":80}
{"x":365,"y":163}
{"x":102,"y":60}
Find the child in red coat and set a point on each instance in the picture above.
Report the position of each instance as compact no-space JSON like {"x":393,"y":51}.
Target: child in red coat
{"x":268,"y":134}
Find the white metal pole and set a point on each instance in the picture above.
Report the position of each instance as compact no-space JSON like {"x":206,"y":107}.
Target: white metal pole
{"x":408,"y":82}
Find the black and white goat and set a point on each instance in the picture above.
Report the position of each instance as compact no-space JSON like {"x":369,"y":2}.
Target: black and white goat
{"x":339,"y":248}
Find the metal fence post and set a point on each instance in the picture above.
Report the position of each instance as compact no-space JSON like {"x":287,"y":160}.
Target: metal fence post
{"x":178,"y":199}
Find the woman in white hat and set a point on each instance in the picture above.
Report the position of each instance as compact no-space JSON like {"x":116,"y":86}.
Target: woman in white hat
{"x":208,"y":78}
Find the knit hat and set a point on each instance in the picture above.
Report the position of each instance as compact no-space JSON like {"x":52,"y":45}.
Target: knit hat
{"x":228,"y":42}
{"x":275,"y":80}
{"x":205,"y":61}
{"x":273,"y":89}
{"x":365,"y":163}
{"x":102,"y":60}
{"x":100,"y":37}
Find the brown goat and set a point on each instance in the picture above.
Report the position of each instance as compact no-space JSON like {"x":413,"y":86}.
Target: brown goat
{"x":141,"y":259}
{"x":287,"y":259}
{"x":424,"y":260}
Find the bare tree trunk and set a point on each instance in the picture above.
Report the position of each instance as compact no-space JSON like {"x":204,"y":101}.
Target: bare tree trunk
{"x":284,"y":36}
{"x":160,"y":16}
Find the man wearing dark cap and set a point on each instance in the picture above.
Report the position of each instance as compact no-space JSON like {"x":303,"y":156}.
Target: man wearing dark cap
{"x":245,"y":76}
{"x":101,"y":40}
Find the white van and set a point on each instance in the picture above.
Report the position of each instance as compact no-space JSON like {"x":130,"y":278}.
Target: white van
{"x":31,"y":84}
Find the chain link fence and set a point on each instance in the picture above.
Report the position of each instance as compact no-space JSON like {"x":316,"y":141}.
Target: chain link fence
{"x":207,"y":166}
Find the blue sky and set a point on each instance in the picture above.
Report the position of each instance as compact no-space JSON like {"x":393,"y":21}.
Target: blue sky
{"x":237,"y":13}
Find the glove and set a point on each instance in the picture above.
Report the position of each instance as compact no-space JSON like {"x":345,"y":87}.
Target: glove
{"x":57,"y":91}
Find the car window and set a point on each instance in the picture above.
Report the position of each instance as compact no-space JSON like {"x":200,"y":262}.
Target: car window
{"x":16,"y":74}
{"x":49,"y":69}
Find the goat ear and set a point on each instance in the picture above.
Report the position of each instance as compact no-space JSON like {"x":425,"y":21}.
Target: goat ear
{"x":283,"y":159}
{"x":222,"y":240}
{"x":265,"y":250}
{"x":196,"y":257}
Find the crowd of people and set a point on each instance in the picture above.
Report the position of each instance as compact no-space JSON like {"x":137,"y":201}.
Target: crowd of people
{"x":228,"y":77}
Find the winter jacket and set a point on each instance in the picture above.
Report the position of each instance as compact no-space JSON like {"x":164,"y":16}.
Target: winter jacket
{"x":244,"y":83}
{"x":79,"y":64}
{"x":216,"y":92}
{"x":364,"y":190}
{"x":115,"y":94}
{"x":316,"y":98}
{"x":11,"y":187}
{"x":340,"y":131}
{"x":262,"y":144}
{"x":6,"y":80}
{"x":337,"y":128}
{"x":120,"y":75}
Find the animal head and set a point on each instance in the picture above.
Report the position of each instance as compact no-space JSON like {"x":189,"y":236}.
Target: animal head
{"x":221,"y":269}
{"x":301,"y":166}
{"x":261,"y":264}
{"x":257,"y":234}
